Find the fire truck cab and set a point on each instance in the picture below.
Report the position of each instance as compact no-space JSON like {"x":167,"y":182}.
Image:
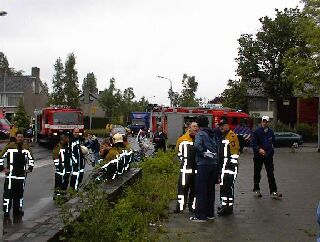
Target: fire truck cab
{"x":50,"y":122}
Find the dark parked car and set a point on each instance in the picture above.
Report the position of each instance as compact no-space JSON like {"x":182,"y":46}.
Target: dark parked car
{"x":287,"y":139}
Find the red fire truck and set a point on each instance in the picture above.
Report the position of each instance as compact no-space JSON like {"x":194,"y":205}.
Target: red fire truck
{"x":50,"y":122}
{"x":172,"y":120}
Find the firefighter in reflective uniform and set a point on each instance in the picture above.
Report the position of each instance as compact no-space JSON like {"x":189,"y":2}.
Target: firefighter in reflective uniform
{"x":19,"y":162}
{"x":77,"y":160}
{"x":229,"y":154}
{"x":117,"y":148}
{"x":186,"y":155}
{"x":61,"y":159}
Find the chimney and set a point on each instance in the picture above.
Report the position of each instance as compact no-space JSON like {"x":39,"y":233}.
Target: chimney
{"x":35,"y":73}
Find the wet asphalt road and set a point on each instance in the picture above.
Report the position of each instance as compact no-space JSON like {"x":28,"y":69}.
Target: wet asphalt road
{"x":38,"y":192}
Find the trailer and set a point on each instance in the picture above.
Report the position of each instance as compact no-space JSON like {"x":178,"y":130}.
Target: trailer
{"x":172,"y":120}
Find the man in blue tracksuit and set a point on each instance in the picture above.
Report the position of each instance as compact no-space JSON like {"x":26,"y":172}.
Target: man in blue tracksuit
{"x":262,"y":145}
{"x":206,"y":147}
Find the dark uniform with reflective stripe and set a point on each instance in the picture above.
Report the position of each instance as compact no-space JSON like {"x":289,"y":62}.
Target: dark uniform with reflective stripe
{"x":186,"y":183}
{"x":62,"y":162}
{"x":229,"y":151}
{"x":19,"y":160}
{"x":78,"y":162}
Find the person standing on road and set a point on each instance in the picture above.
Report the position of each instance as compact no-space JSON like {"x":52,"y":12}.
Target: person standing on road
{"x":61,"y":159}
{"x":228,"y":160}
{"x":20,"y":161}
{"x":187,"y":157}
{"x":77,"y":159}
{"x":159,"y":140}
{"x":262,"y":145}
{"x":13,"y":131}
{"x":117,"y":148}
{"x":206,"y":148}
{"x":93,"y":144}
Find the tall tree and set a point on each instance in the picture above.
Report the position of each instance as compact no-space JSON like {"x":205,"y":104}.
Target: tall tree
{"x":90,"y":82}
{"x":58,"y":94}
{"x":263,"y":56}
{"x":4,"y":64}
{"x":110,"y":101}
{"x":234,"y":96}
{"x":188,"y":94}
{"x":71,"y":89}
{"x":21,"y":116}
{"x":302,"y":61}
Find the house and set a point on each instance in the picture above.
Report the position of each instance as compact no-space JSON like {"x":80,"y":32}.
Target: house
{"x":89,"y":104}
{"x":291,"y":111}
{"x":29,"y":88}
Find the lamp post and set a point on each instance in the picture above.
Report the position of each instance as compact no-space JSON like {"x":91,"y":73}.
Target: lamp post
{"x":170,"y":90}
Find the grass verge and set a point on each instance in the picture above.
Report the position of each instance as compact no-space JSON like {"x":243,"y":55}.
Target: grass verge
{"x":129,"y":219}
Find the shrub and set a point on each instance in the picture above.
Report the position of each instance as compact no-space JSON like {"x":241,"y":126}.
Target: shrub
{"x":103,"y":133}
{"x":143,"y":203}
{"x":306,"y":131}
{"x":281,"y":127}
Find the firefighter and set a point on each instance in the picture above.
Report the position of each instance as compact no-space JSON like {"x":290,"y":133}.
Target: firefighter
{"x":229,"y":154}
{"x":186,"y":155}
{"x":61,"y":159}
{"x":159,"y":140}
{"x":117,"y":148}
{"x":19,"y":162}
{"x":77,"y":159}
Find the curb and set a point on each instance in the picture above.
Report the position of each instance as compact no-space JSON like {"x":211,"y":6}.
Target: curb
{"x":50,"y":226}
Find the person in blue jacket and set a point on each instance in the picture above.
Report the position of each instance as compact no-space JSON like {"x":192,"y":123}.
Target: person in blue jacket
{"x":206,"y":148}
{"x":262,"y":145}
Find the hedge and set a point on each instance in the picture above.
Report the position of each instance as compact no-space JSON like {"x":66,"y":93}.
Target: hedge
{"x":141,"y":204}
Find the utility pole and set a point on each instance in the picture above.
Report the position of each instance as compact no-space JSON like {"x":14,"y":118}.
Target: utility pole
{"x":319,"y":123}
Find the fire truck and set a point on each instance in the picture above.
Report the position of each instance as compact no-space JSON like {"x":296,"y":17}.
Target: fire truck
{"x":172,"y":120}
{"x":50,"y":122}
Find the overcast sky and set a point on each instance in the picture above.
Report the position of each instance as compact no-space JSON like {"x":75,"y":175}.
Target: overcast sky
{"x":133,"y":40}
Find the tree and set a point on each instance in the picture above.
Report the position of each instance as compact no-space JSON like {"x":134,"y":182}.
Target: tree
{"x":263,"y":56}
{"x":302,"y":62}
{"x":71,"y":89}
{"x":235,"y":95}
{"x":58,"y":94}
{"x":188,"y":95}
{"x":21,"y":116}
{"x":90,"y":82}
{"x":4,"y":65}
{"x":110,"y":100}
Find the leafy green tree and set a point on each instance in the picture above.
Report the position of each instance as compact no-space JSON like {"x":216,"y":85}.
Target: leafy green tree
{"x":110,"y":101}
{"x":188,"y":95}
{"x":90,"y":82}
{"x":302,"y":62}
{"x":21,"y":116}
{"x":71,"y":88}
{"x":262,"y":56}
{"x":235,"y":95}
{"x":58,"y":96}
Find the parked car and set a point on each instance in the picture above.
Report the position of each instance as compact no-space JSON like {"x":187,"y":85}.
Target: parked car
{"x":4,"y":127}
{"x":287,"y":139}
{"x":118,"y":129}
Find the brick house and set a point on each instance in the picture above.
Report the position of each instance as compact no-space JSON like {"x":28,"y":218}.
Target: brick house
{"x":29,"y":88}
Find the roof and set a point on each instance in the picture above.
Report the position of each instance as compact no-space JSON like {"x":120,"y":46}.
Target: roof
{"x":16,"y":83}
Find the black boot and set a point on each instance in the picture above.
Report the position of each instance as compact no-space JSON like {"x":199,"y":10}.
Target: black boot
{"x":19,"y":212}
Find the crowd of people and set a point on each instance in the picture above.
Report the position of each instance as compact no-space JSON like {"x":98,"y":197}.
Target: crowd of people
{"x":69,"y":156}
{"x":209,"y":157}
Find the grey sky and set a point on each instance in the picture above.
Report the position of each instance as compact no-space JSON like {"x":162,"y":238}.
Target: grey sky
{"x":134,"y":40}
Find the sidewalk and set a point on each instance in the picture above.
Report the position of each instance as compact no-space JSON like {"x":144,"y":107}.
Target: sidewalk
{"x":254,"y":219}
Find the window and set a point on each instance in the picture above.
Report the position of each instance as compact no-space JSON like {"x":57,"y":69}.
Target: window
{"x":13,"y":100}
{"x":67,"y":118}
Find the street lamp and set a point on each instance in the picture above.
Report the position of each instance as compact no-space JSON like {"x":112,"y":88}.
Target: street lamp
{"x":3,"y":13}
{"x":170,"y":90}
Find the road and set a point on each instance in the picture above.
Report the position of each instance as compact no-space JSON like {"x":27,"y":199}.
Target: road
{"x":39,"y":188}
